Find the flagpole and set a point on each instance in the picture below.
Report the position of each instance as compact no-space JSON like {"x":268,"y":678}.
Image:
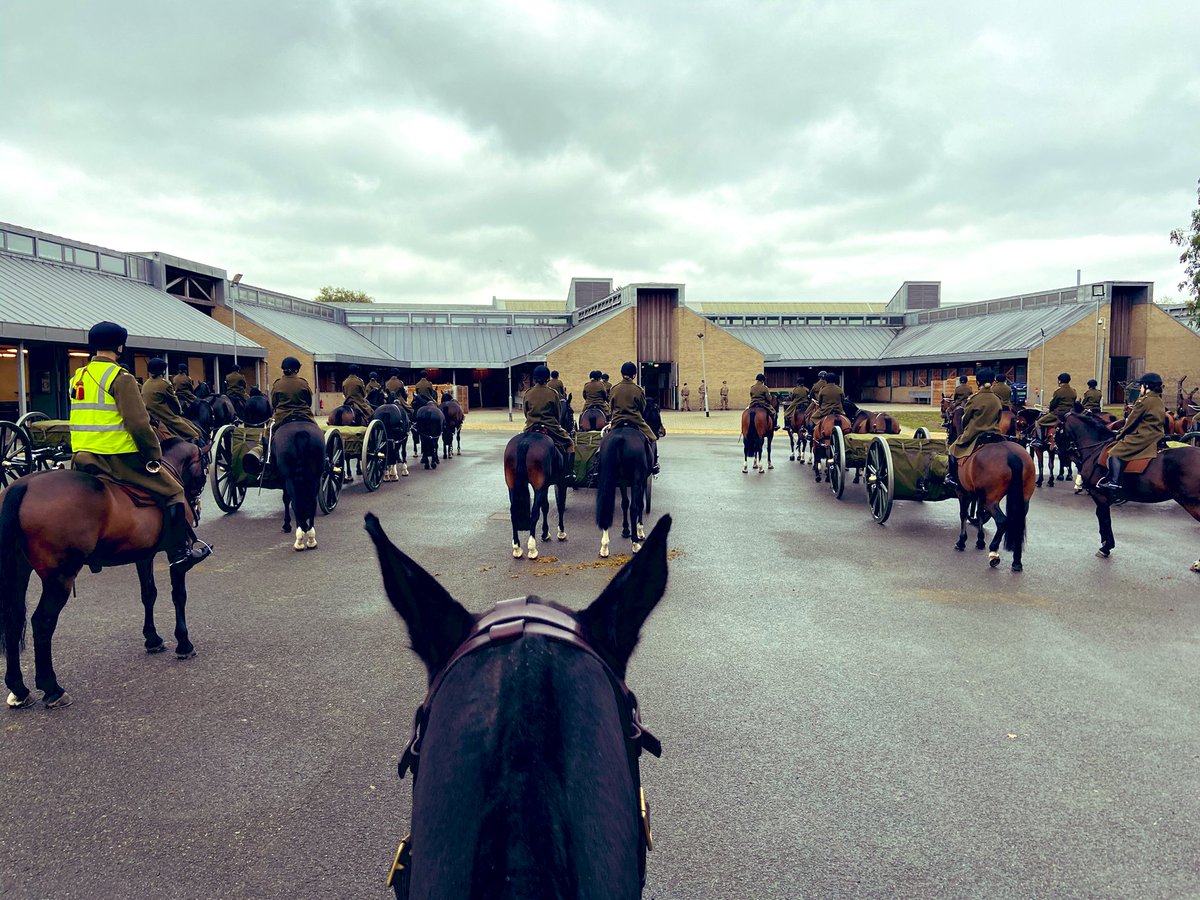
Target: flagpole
{"x":1042,"y":381}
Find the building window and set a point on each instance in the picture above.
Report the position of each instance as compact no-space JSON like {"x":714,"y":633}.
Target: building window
{"x":113,"y":264}
{"x":85,"y":258}
{"x":49,"y":250}
{"x":19,"y":243}
{"x":881,"y":378}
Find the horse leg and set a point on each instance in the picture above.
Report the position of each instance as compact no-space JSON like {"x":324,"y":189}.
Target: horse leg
{"x":625,"y":532}
{"x":1040,"y":463}
{"x":1104,"y":518}
{"x":745,"y":457}
{"x":183,"y":646}
{"x":534,"y":512}
{"x":635,"y":516}
{"x":287,"y":510}
{"x":604,"y":543}
{"x":791,"y":446}
{"x":19,"y":696}
{"x":1001,"y":524}
{"x":1053,"y":456}
{"x":560,"y":498}
{"x":145,"y":570}
{"x":546,"y":513}
{"x":56,"y":590}
{"x":963,"y":514}
{"x":458,"y":439}
{"x":770,"y":435}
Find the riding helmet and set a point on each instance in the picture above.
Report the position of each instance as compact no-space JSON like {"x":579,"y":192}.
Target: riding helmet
{"x":1092,"y":382}
{"x":554,"y":374}
{"x":760,"y":377}
{"x":962,"y":379}
{"x":290,"y":364}
{"x":628,"y":369}
{"x":424,"y":373}
{"x":106,"y":336}
{"x":985,"y":376}
{"x":594,"y":375}
{"x":374,"y":376}
{"x":604,"y":377}
{"x":1152,"y":380}
{"x":182,"y":368}
{"x":541,"y":374}
{"x":352,"y":369}
{"x":1064,"y":378}
{"x":156,"y":366}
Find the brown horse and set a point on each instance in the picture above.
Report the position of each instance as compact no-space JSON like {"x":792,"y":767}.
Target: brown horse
{"x":54,"y":523}
{"x":1172,"y":475}
{"x":452,"y":413}
{"x":592,"y":419}
{"x":756,"y":430}
{"x":823,"y":437}
{"x":867,"y":422}
{"x":995,"y":472}
{"x":531,"y":460}
{"x":798,"y":426}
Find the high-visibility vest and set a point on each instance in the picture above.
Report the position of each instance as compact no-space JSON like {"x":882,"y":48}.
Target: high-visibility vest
{"x":96,"y":423}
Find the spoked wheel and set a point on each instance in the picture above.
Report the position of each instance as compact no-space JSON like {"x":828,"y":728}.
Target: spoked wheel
{"x":881,"y":480}
{"x":221,"y":476}
{"x":837,"y":462}
{"x":374,"y":454}
{"x":921,"y":434}
{"x":34,"y":416}
{"x":1192,"y":437}
{"x":16,"y":453}
{"x":334,"y":474}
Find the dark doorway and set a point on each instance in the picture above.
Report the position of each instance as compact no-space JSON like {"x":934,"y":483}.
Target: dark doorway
{"x":656,"y":382}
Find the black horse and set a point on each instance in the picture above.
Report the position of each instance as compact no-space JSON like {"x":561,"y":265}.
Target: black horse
{"x":428,"y":425}
{"x":298,"y":454}
{"x":626,"y":458}
{"x":396,"y":424}
{"x":525,"y":759}
{"x":452,"y":415}
{"x":531,"y":460}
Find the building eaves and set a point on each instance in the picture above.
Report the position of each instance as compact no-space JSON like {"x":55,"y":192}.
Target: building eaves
{"x":800,"y":345}
{"x":992,"y":336}
{"x":326,"y":340}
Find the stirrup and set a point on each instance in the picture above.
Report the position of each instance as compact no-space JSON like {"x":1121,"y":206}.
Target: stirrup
{"x":197,"y":553}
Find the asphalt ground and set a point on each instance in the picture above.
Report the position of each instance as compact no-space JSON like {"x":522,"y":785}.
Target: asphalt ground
{"x":847,"y":710}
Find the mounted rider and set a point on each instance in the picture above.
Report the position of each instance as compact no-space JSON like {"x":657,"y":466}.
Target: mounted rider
{"x":162,"y":403}
{"x":1092,"y":400}
{"x":542,"y":411}
{"x":830,"y":402}
{"x":291,"y":395}
{"x":1061,"y":403}
{"x":373,"y":383}
{"x":235,"y":390}
{"x":424,"y":388}
{"x":818,"y":385}
{"x":595,"y":393}
{"x":1144,"y":427}
{"x":355,"y":393}
{"x":798,"y":399}
{"x":980,"y":416}
{"x":555,"y":383}
{"x":1002,"y":389}
{"x":628,"y":402}
{"x":185,"y":388}
{"x":112,"y":439}
{"x":962,"y":391}
{"x":760,"y":396}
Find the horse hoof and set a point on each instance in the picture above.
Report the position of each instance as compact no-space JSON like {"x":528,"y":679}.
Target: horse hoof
{"x":61,"y":701}
{"x":287,"y":526}
{"x":533,"y":554}
{"x":745,"y":471}
{"x":184,"y":654}
{"x":310,"y":539}
{"x":562,"y":535}
{"x":604,"y":553}
{"x":404,"y":471}
{"x":517,"y":551}
{"x":1017,"y":567}
{"x":15,"y":702}
{"x":157,"y":648}
{"x":993,"y":560}
{"x":961,"y":548}
{"x":1195,"y":566}
{"x":979,"y":545}
{"x":771,"y":466}
{"x":636,"y":547}
{"x":1102,"y":553}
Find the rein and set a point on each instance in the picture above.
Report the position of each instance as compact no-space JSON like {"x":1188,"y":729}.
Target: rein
{"x":511,"y":620}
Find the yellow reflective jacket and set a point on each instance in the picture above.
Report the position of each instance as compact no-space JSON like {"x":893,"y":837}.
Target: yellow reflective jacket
{"x":96,"y":423}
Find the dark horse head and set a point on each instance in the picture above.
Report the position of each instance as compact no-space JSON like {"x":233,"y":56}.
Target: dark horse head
{"x":566,"y":415}
{"x":256,"y":411}
{"x":527,"y":744}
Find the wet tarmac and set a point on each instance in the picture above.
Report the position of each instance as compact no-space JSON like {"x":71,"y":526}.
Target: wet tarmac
{"x":847,"y":710}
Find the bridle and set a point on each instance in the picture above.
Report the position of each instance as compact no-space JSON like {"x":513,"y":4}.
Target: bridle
{"x":511,"y":620}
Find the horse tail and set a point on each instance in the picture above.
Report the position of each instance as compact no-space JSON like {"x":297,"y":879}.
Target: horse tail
{"x":606,"y":491}
{"x":518,"y":493}
{"x":1016,"y":507}
{"x":12,"y":566}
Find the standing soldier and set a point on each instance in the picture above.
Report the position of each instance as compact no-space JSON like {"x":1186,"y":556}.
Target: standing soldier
{"x":161,"y":402}
{"x":595,"y":394}
{"x":235,"y":389}
{"x":1001,"y":389}
{"x":962,"y":391}
{"x":703,"y":395}
{"x":628,"y":407}
{"x":1144,"y":427}
{"x":760,"y":396}
{"x":981,"y":415}
{"x":1092,"y":398}
{"x":112,"y":439}
{"x":798,"y":400}
{"x":424,"y":388}
{"x":1061,"y":403}
{"x":685,"y":392}
{"x":355,"y":393}
{"x":724,"y":395}
{"x":185,"y":388}
{"x":555,"y":383}
{"x":542,"y":411}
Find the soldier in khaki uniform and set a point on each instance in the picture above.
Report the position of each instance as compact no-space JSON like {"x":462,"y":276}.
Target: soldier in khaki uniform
{"x":373,"y":384}
{"x":542,"y":410}
{"x":703,"y":391}
{"x":235,"y":389}
{"x":685,"y":392}
{"x":555,"y":384}
{"x":424,"y":388}
{"x":185,"y":388}
{"x":1001,"y":389}
{"x":113,"y":440}
{"x":1061,"y":403}
{"x":981,"y":415}
{"x":355,"y":393}
{"x":724,"y":395}
{"x":291,"y":396}
{"x":628,"y":402}
{"x":760,"y":395}
{"x":829,"y":401}
{"x":962,"y":391}
{"x":798,"y":400}
{"x":163,"y":405}
{"x":1144,"y":427}
{"x":1092,"y":398}
{"x":819,"y":385}
{"x":595,"y":393}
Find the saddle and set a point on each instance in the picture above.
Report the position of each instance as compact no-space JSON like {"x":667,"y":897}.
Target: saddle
{"x":140,"y":497}
{"x":1134,"y":466}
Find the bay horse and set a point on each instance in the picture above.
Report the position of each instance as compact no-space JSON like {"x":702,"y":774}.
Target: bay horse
{"x":626,"y":461}
{"x":429,"y":423}
{"x":396,"y":424}
{"x":53,"y":524}
{"x":298,"y":454}
{"x":532,"y":461}
{"x":756,"y":431}
{"x":592,"y":419}
{"x":799,"y":431}
{"x":822,"y":438}
{"x":867,"y":422}
{"x":525,"y":756}
{"x":1172,"y":475}
{"x":1027,"y":423}
{"x":452,"y":413}
{"x":997,"y":471}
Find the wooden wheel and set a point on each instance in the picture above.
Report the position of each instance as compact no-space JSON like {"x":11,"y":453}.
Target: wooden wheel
{"x":881,"y":479}
{"x":837,"y":462}
{"x":921,"y":434}
{"x":221,"y":476}
{"x":374,"y":454}
{"x":1192,"y":437}
{"x":33,"y":416}
{"x":335,"y":472}
{"x":16,"y":453}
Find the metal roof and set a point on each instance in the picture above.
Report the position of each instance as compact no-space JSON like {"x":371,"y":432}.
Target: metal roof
{"x":461,"y":346}
{"x":983,"y":337}
{"x":326,"y":340}
{"x":771,"y":308}
{"x":42,"y":301}
{"x":799,"y":344}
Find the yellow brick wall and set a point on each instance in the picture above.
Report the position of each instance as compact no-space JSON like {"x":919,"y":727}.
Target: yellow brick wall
{"x":726,"y":359}
{"x":277,"y":349}
{"x":1169,"y":348}
{"x":605,"y":347}
{"x":1073,"y":351}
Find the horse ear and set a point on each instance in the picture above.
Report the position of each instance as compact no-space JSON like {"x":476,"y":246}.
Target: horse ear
{"x":436,"y":622}
{"x":615,"y":618}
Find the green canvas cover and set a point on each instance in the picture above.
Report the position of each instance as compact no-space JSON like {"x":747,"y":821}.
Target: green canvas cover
{"x":50,"y":433}
{"x":352,"y":436}
{"x":856,"y":450}
{"x":244,"y":438}
{"x":586,"y":445}
{"x":923,"y":460}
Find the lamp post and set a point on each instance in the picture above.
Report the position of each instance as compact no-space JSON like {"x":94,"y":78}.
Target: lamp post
{"x":1100,"y":377}
{"x":703,"y":373}
{"x":237,"y":279}
{"x":1042,"y":381}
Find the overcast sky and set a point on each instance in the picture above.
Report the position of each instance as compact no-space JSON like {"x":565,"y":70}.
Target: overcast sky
{"x":445,"y":151}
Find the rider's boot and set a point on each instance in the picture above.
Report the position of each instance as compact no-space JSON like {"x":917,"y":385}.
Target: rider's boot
{"x":652,"y":457}
{"x":951,"y":479}
{"x":1039,"y":437}
{"x":1112,"y":481}
{"x":570,"y":476}
{"x":183,"y":550}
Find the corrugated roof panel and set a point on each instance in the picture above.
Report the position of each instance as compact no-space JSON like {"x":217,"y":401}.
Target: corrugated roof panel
{"x":64,"y":302}
{"x":459,"y":346}
{"x":993,"y":335}
{"x":801,"y":344}
{"x":321,"y":337}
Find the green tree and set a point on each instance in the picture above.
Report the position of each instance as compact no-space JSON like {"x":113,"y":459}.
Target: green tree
{"x":1190,"y":242}
{"x":330,"y":294}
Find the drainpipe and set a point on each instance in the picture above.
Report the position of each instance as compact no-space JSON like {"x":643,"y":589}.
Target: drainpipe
{"x":22,"y":403}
